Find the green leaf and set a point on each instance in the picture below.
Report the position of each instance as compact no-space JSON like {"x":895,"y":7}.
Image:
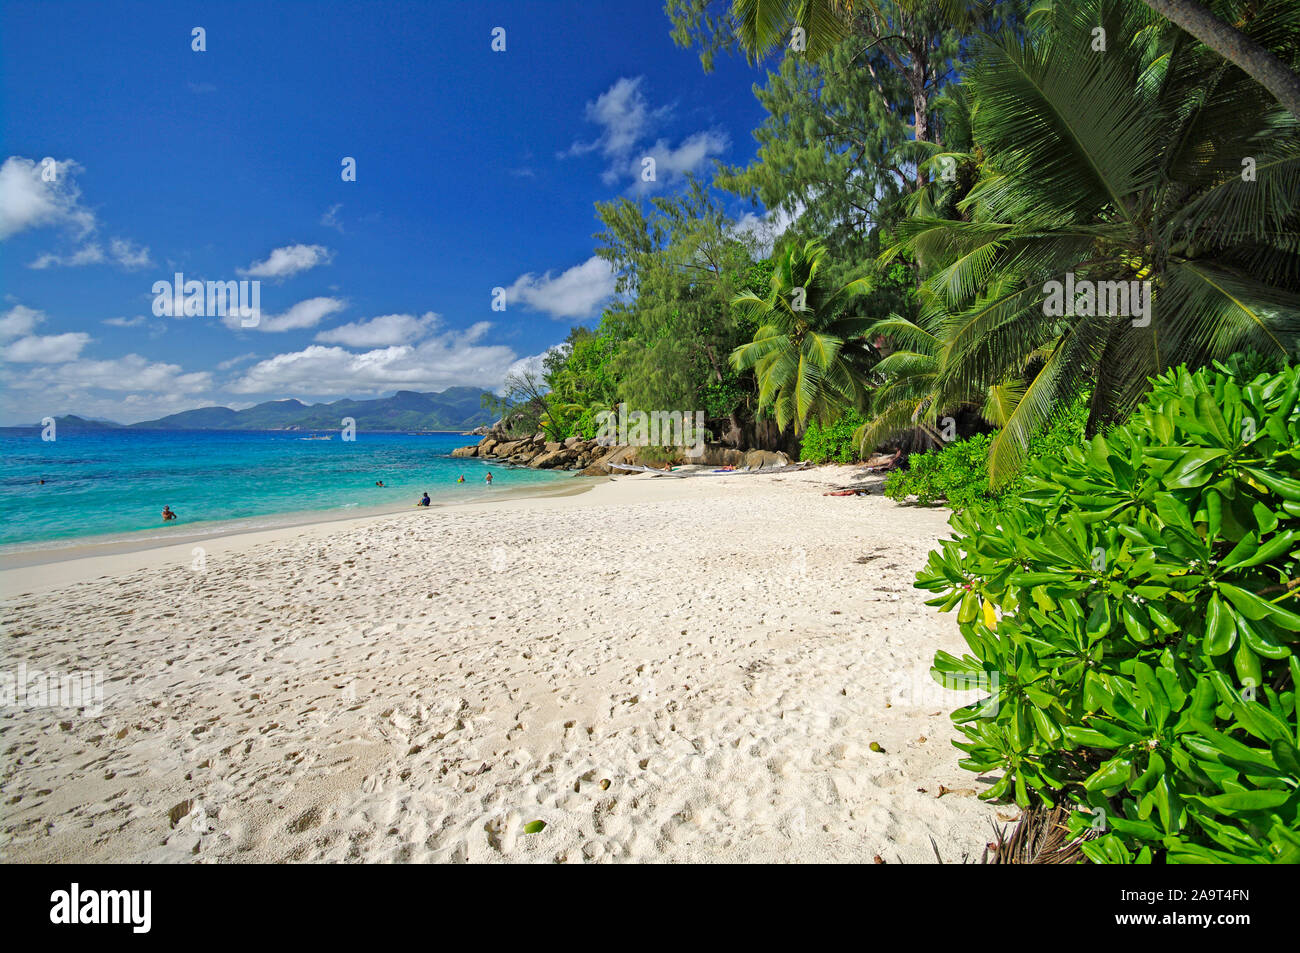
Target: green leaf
{"x":1220,"y":627}
{"x":1195,"y":468}
{"x":1262,"y":800}
{"x":1112,"y":774}
{"x":1253,"y":607}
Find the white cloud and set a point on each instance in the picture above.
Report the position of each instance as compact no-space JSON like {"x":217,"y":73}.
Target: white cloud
{"x":236,"y":361}
{"x":45,"y":349}
{"x":672,"y":163}
{"x":624,"y":117}
{"x":125,"y":389}
{"x":43,"y":194}
{"x":129,"y":373}
{"x":24,"y":347}
{"x":120,"y":252}
{"x":91,"y":254}
{"x":128,"y":254}
{"x":331,"y":218}
{"x":289,"y":260}
{"x":18,"y":321}
{"x":534,"y":364}
{"x":573,"y":294}
{"x":27,"y":200}
{"x":138,"y":320}
{"x":451,"y":358}
{"x":626,"y":120}
{"x":765,"y":229}
{"x":304,"y":314}
{"x":383,"y":331}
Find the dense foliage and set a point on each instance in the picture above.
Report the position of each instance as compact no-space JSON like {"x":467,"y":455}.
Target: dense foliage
{"x":1111,"y":150}
{"x":832,"y":442}
{"x":1135,"y":625}
{"x":958,"y":473}
{"x":809,"y":353}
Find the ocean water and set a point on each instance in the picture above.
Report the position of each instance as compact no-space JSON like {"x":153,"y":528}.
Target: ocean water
{"x":114,"y":483}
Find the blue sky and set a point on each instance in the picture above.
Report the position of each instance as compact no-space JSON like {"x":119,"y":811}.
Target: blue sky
{"x":475,"y":170}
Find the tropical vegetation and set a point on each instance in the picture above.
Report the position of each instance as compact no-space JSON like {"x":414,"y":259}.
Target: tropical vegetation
{"x":1027,"y":243}
{"x":1133,"y":626}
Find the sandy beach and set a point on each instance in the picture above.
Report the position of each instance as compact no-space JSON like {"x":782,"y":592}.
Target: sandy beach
{"x":694,"y":670}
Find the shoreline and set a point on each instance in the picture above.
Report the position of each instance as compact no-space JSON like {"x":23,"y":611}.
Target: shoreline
{"x":73,"y":549}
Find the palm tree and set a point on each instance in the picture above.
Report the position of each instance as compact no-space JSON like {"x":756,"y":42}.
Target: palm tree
{"x":1151,"y":161}
{"x":910,"y":392}
{"x":764,"y":25}
{"x":1262,"y":64}
{"x":809,"y":358}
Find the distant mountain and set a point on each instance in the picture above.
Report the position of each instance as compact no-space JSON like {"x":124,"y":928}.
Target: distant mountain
{"x":456,"y":408}
{"x":71,"y":423}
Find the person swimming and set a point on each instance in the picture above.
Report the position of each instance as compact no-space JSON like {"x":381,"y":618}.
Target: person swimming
{"x":424,"y":501}
{"x":462,"y":478}
{"x":380,"y":483}
{"x":167,"y":513}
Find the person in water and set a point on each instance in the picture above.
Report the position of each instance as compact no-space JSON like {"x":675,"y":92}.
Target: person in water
{"x":424,"y":501}
{"x":167,"y":513}
{"x":462,"y":478}
{"x":488,"y":479}
{"x":379,"y":483}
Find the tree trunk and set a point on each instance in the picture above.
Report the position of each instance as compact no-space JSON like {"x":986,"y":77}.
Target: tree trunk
{"x":1236,"y":47}
{"x":922,"y":134}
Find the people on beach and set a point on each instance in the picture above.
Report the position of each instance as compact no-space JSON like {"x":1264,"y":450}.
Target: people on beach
{"x":167,"y":513}
{"x":424,"y":501}
{"x":488,"y":479}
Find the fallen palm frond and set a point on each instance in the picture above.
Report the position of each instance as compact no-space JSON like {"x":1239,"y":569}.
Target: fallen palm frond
{"x":1040,"y":837}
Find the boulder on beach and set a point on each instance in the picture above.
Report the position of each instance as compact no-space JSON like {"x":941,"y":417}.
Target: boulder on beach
{"x":599,"y":465}
{"x":715,"y":455}
{"x":550,"y":459}
{"x":765,"y":459}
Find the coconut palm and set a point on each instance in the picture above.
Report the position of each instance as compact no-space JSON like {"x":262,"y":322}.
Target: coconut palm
{"x":1150,"y":161}
{"x":911,"y":393}
{"x":1265,"y":67}
{"x":809,"y":357}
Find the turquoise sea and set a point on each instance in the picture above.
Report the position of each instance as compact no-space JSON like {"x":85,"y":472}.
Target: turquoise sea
{"x":114,"y":483}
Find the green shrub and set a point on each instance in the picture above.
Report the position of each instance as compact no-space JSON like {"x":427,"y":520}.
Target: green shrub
{"x":831,"y":443}
{"x":1135,"y":624}
{"x":958,"y":474}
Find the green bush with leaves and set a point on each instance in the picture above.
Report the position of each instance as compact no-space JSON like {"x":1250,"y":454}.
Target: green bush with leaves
{"x":831,"y":443}
{"x":958,"y":474}
{"x":1135,"y":624}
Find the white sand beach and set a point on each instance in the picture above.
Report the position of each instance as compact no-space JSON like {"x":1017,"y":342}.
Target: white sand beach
{"x":660,"y":670}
